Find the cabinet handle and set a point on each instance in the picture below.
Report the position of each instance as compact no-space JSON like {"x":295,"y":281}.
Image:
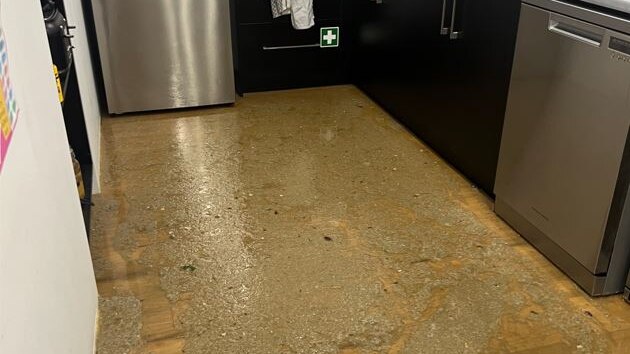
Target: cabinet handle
{"x":455,"y":34}
{"x":291,"y":46}
{"x":443,"y":29}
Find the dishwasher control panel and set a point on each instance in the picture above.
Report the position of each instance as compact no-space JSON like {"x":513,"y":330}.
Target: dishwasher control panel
{"x":620,"y":48}
{"x":619,"y":45}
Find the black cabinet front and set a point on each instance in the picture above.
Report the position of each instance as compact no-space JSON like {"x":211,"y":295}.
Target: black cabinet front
{"x":272,"y":55}
{"x":276,"y":57}
{"x":445,"y":77}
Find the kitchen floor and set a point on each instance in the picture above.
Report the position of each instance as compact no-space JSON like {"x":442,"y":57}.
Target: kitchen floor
{"x":310,"y":221}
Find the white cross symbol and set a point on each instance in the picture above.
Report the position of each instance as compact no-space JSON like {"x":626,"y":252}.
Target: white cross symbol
{"x":330,"y":37}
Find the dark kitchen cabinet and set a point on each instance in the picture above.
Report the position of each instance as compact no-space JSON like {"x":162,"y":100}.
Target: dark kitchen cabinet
{"x":272,"y":55}
{"x":450,"y":91}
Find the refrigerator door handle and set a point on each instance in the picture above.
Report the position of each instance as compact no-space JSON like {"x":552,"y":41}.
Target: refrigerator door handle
{"x":444,"y":30}
{"x":455,"y":34}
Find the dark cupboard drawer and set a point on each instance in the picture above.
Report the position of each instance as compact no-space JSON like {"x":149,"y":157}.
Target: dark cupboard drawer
{"x":265,"y":65}
{"x":259,"y":11}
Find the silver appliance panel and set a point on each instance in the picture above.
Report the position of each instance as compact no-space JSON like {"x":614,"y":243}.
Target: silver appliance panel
{"x":564,"y":138}
{"x":159,"y":54}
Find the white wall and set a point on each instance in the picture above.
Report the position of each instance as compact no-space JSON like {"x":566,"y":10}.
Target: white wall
{"x":48,"y":295}
{"x":87,"y":84}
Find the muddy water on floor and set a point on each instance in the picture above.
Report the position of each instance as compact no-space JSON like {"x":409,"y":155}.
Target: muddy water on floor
{"x":310,"y":222}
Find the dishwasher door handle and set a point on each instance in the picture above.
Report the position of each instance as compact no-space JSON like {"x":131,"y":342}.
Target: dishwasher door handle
{"x":576,"y":30}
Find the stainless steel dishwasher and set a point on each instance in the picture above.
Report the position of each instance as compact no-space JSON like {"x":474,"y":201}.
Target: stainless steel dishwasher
{"x":564,"y":165}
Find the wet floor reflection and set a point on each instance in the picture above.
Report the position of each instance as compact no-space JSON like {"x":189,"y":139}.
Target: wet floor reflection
{"x":309,"y":221}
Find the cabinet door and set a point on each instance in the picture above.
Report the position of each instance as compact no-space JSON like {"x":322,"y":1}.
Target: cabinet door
{"x":398,"y":55}
{"x":366,"y":24}
{"x":450,"y":92}
{"x":408,"y":67}
{"x":477,"y":80}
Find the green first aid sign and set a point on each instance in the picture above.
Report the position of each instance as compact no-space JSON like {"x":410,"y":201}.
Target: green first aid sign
{"x":329,"y":37}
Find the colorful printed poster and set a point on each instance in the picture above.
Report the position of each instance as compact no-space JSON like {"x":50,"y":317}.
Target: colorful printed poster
{"x":8,"y":107}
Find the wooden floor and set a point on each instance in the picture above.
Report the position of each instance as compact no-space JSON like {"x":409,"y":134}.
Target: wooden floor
{"x":309,"y":221}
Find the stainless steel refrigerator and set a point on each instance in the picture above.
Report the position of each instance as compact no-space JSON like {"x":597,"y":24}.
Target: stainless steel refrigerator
{"x":160,"y":54}
{"x":563,"y":180}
